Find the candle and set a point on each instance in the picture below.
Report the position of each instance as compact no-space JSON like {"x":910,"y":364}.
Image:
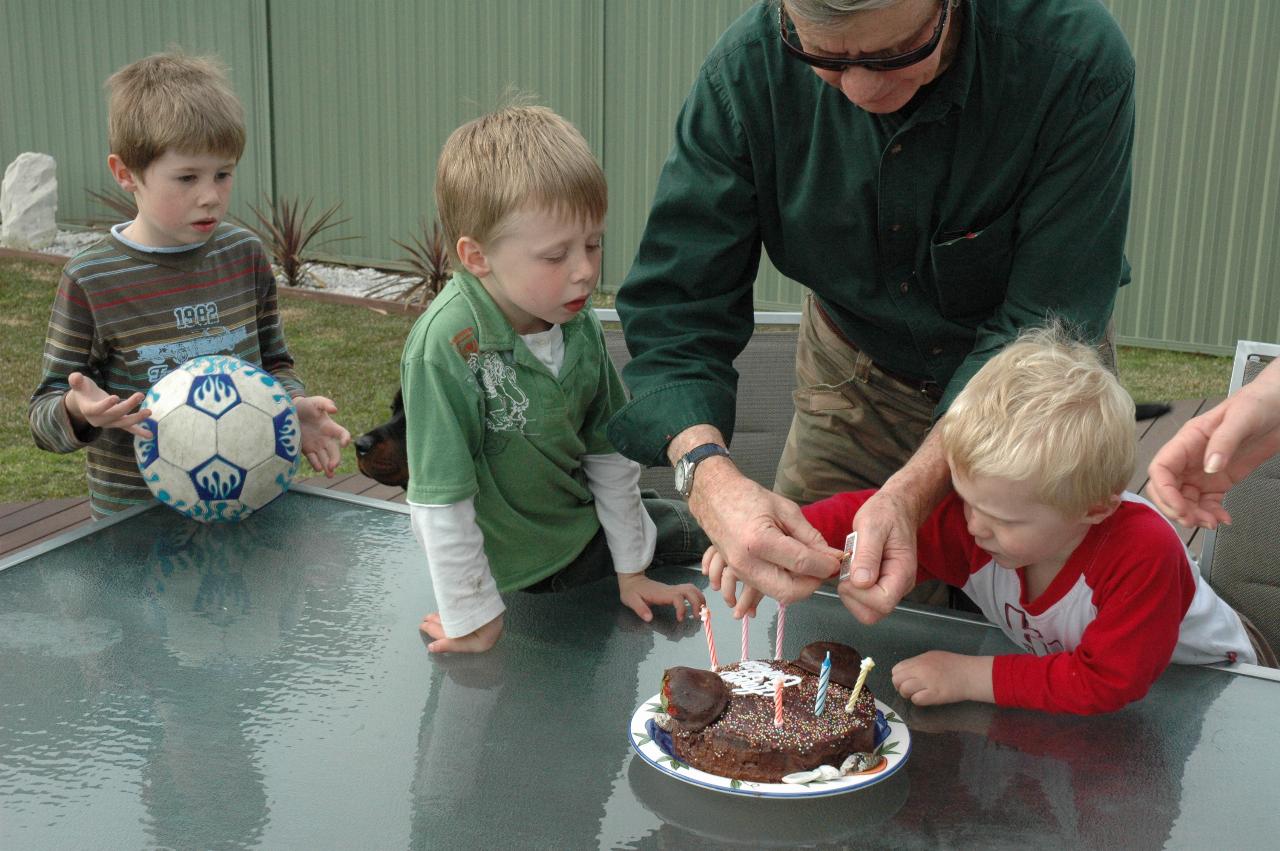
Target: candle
{"x":867,"y":664}
{"x":777,"y":701}
{"x":711,"y":641}
{"x":746,"y":626}
{"x":782,"y":627}
{"x":824,"y":679}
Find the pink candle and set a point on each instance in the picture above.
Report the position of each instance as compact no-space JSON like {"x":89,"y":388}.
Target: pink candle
{"x":746,"y":625}
{"x":782,"y":627}
{"x":777,"y":701}
{"x":711,"y":641}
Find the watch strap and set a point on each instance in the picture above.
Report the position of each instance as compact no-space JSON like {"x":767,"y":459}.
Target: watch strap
{"x":690,"y":460}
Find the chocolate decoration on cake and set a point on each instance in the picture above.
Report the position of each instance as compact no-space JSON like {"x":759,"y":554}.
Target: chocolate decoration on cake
{"x":845,"y":661}
{"x":693,"y":697}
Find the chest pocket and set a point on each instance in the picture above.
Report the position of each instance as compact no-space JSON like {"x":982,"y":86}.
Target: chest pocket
{"x":971,"y":268}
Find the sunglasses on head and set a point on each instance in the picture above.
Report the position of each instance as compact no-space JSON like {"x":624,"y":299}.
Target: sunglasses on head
{"x":875,"y":63}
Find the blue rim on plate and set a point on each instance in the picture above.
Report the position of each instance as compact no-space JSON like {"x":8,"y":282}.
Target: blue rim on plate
{"x":653,"y":744}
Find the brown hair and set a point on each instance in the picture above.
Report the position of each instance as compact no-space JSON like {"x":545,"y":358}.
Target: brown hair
{"x":172,"y":102}
{"x":516,"y":156}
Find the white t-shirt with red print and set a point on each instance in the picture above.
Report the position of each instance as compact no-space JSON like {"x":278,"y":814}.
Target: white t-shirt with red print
{"x":1128,"y":601}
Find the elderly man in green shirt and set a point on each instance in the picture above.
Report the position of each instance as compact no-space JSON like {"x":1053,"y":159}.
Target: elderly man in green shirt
{"x":939,"y":174}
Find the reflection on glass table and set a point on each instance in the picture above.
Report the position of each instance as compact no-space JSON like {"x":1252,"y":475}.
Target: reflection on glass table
{"x":264,"y":685}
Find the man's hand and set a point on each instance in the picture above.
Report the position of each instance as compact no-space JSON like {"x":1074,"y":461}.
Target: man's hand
{"x":884,"y":568}
{"x":638,"y":592}
{"x":764,"y":536}
{"x":476,"y":641}
{"x":939,"y":677}
{"x":87,"y":403}
{"x":1214,"y":451}
{"x":322,"y":438}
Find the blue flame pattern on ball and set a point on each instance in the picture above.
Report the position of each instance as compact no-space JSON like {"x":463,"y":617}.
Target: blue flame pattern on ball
{"x":213,"y":394}
{"x":288,"y":434}
{"x":225,"y":439}
{"x":218,"y":479}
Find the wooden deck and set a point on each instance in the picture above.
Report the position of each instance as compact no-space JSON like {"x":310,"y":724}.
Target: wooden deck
{"x":23,"y":524}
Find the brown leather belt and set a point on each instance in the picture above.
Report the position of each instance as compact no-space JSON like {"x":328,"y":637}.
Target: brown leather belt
{"x":931,"y":389}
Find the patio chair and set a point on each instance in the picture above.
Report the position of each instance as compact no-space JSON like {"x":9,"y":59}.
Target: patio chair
{"x":1242,"y":561}
{"x":766,"y":379}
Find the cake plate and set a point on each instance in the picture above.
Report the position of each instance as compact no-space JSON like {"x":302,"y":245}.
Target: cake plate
{"x":652,"y":743}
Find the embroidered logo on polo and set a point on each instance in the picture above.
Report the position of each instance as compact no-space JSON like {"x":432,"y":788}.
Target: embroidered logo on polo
{"x":506,"y":402}
{"x":465,"y":343}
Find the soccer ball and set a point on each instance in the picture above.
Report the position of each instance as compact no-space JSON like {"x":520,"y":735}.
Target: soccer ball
{"x":225,"y":439}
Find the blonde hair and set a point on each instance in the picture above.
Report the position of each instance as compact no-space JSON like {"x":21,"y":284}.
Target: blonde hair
{"x":172,"y":102}
{"x":511,"y":158}
{"x":1045,"y":410}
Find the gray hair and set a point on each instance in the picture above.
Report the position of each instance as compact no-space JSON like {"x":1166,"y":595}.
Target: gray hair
{"x":826,"y":12}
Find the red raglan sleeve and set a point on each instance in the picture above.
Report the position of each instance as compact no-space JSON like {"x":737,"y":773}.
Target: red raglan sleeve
{"x":1142,"y":587}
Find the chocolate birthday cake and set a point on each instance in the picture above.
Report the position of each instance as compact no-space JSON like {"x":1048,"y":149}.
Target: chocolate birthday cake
{"x":723,"y":722}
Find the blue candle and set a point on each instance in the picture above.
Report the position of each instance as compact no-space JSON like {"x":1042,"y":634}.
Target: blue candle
{"x":824,"y":678}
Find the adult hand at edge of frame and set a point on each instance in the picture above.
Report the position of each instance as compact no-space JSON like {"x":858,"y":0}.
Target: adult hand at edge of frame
{"x":1211,"y":453}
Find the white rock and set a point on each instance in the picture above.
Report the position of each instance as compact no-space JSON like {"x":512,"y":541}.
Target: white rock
{"x":29,"y":202}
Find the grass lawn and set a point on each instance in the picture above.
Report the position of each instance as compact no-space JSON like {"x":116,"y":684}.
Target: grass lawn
{"x":352,"y":355}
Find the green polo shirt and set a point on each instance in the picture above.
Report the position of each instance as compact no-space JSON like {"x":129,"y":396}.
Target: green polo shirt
{"x":997,"y":197}
{"x":486,"y":419}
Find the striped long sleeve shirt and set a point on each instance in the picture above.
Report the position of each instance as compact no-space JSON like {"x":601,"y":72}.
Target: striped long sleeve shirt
{"x":125,"y":318}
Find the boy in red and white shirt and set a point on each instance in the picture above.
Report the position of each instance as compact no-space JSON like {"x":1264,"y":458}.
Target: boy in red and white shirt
{"x":1042,"y":536}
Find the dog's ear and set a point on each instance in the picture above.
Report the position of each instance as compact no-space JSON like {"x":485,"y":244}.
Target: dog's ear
{"x":397,"y":404}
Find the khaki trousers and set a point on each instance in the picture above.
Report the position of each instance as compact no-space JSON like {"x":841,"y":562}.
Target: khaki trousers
{"x":854,"y":424}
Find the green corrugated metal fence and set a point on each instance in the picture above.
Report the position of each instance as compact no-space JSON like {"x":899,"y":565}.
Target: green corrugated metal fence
{"x":351,"y":102}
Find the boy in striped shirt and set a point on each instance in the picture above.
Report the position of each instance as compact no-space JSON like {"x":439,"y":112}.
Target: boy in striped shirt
{"x":174,"y":283}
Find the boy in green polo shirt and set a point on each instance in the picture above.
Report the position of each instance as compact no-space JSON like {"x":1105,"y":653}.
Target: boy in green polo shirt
{"x":508,"y":387}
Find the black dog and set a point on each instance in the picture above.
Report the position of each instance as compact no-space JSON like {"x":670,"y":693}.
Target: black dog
{"x":381,"y":453}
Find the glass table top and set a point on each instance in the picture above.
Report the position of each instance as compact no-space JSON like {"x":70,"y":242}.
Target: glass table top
{"x":263,"y":685}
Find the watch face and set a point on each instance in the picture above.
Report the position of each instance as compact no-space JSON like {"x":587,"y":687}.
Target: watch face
{"x":682,"y":476}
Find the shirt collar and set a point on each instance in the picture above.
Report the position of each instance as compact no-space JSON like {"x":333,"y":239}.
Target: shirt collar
{"x":493,"y":330}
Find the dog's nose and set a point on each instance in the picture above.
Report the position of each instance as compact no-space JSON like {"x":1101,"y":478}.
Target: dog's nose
{"x":363,"y":444}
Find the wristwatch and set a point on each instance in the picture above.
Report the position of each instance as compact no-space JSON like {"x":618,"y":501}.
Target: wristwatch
{"x":689,"y":462}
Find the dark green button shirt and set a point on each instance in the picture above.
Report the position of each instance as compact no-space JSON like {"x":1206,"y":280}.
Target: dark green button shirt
{"x":997,"y":197}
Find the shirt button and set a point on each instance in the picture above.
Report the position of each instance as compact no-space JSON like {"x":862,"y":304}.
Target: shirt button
{"x":904,"y":286}
{"x":897,"y":148}
{"x":895,"y":227}
{"x":937,"y":350}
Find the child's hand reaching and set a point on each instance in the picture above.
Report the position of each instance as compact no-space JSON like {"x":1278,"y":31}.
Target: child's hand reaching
{"x":724,"y":580}
{"x":87,"y":403}
{"x":638,"y":591}
{"x":476,"y":641}
{"x":939,"y":677}
{"x":322,"y":438}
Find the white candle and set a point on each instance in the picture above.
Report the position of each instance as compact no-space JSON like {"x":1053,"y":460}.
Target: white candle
{"x":867,"y":664}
